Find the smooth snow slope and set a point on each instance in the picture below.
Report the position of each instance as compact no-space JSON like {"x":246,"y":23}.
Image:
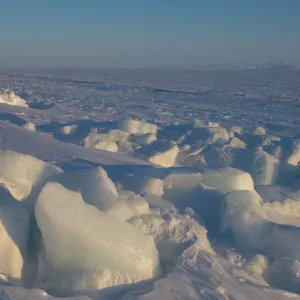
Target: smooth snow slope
{"x":196,"y":197}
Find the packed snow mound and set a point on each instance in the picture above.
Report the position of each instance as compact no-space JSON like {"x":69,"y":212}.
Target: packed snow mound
{"x":228,"y":179}
{"x":96,"y":189}
{"x":136,"y":127}
{"x":14,"y":232}
{"x":79,"y":239}
{"x":160,"y":152}
{"x":20,"y":173}
{"x":100,"y":141}
{"x":9,"y":97}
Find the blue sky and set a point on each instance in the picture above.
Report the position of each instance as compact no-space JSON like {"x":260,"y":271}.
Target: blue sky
{"x":142,"y":33}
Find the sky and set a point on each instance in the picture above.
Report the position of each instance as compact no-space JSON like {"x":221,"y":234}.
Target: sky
{"x":147,"y":33}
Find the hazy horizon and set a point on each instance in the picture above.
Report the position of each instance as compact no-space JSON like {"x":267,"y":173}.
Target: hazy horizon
{"x":136,"y":34}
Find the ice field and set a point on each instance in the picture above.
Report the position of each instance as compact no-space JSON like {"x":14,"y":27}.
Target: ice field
{"x":149,"y":184}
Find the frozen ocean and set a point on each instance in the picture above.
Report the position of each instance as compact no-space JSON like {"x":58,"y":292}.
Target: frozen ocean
{"x":149,"y":184}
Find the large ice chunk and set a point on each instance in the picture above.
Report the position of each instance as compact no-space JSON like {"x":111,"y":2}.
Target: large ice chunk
{"x":80,"y":240}
{"x":160,"y":152}
{"x":68,"y":129}
{"x":140,"y":184}
{"x":178,"y":185}
{"x":100,"y":141}
{"x":20,"y":173}
{"x":29,"y":126}
{"x":228,"y":179}
{"x":257,"y":233}
{"x":136,"y":203}
{"x":9,"y":97}
{"x":118,"y":135}
{"x":265,"y":168}
{"x":236,"y":143}
{"x":294,"y":157}
{"x":236,"y":201}
{"x":96,"y":189}
{"x":14,"y":231}
{"x":136,"y":127}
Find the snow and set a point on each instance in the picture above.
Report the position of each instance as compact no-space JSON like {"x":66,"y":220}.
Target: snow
{"x":149,"y":184}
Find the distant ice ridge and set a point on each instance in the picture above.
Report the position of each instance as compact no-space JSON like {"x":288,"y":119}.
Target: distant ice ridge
{"x":9,"y":97}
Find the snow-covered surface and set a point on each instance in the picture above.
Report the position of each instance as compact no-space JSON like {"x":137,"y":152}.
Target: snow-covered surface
{"x":140,"y":184}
